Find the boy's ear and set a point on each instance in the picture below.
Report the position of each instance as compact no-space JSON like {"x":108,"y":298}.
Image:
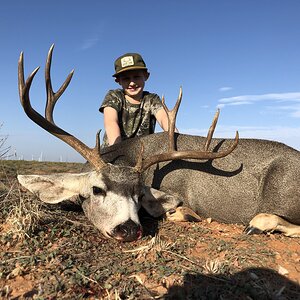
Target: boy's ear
{"x":147,"y":74}
{"x":117,"y":80}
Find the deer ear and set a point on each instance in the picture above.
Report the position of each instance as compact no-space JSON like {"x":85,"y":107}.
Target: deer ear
{"x":52,"y":188}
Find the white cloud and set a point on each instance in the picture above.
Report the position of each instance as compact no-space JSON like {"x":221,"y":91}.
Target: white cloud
{"x":264,"y":97}
{"x":89,"y":43}
{"x":204,"y":106}
{"x":225,"y":88}
{"x":296,"y":114}
{"x":295,"y":109}
{"x":287,"y":135}
{"x":233,"y":104}
{"x":292,"y":98}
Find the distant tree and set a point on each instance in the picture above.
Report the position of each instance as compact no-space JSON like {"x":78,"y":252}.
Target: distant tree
{"x":3,"y":149}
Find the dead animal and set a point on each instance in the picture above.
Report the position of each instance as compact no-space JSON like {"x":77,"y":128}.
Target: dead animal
{"x":257,"y":184}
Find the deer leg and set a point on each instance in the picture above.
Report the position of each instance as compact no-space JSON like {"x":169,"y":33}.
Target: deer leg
{"x":157,"y":203}
{"x":269,"y":223}
{"x":182,"y":214}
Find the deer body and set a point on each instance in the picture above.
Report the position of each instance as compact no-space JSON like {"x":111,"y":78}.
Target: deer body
{"x":258,"y":177}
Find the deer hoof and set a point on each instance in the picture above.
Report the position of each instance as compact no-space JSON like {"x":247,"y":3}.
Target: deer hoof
{"x":252,"y":230}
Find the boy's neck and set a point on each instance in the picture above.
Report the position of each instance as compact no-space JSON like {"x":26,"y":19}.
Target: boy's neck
{"x":134,"y":100}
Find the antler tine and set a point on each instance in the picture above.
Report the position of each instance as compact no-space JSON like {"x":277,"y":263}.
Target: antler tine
{"x":24,"y":88}
{"x":139,"y":164}
{"x":98,"y":145}
{"x":90,"y":154}
{"x":172,"y":114}
{"x":211,"y":130}
{"x":172,"y":154}
{"x":52,"y":97}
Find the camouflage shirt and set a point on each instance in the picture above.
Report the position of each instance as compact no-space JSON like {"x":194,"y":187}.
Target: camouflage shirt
{"x":134,"y":119}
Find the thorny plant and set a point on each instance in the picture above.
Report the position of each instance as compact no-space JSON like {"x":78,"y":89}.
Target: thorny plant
{"x":215,"y":266}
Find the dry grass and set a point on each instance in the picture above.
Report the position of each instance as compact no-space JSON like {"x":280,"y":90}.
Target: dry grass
{"x":23,"y":213}
{"x":25,"y":217}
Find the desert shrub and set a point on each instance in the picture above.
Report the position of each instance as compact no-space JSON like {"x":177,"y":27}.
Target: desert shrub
{"x":4,"y":150}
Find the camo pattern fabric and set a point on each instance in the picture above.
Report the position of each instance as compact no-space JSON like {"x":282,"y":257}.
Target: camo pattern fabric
{"x":134,"y":119}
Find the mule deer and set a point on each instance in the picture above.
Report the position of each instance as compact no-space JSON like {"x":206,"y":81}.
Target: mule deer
{"x":257,"y":184}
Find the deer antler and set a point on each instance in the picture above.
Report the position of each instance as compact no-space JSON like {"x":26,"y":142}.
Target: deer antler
{"x":172,"y":154}
{"x":90,"y":154}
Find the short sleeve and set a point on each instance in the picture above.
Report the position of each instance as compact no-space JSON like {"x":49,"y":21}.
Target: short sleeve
{"x":112,"y":99}
{"x":156,"y":104}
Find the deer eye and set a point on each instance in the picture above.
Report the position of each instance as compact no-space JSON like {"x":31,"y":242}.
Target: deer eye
{"x":98,"y":191}
{"x":141,"y":195}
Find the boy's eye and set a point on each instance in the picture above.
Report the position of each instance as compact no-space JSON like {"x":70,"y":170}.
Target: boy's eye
{"x":98,"y":191}
{"x":125,"y":78}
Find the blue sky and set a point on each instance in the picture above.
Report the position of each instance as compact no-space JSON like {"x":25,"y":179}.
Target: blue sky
{"x":240,"y":55}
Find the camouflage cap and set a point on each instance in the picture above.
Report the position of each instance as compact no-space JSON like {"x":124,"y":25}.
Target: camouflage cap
{"x":129,"y":61}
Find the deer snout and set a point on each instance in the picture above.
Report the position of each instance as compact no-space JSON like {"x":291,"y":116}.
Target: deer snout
{"x":127,"y":231}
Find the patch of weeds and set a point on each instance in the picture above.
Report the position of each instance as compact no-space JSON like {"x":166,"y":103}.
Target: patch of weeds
{"x":219,"y":245}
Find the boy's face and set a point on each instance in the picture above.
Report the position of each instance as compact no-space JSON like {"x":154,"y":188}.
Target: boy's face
{"x":133,"y":82}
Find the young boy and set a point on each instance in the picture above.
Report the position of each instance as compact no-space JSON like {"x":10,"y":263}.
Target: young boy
{"x":131,"y":111}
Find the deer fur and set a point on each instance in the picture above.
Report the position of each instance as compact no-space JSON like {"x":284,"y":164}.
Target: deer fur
{"x":258,"y":177}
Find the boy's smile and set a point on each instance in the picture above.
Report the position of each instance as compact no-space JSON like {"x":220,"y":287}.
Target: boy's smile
{"x":133,"y":83}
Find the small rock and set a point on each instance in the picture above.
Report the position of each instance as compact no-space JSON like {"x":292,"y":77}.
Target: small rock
{"x":282,"y":270}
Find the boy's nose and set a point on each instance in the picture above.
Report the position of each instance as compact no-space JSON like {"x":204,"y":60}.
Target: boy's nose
{"x":132,"y":82}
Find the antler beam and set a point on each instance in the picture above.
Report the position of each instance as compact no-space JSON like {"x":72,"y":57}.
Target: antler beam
{"x":172,"y":154}
{"x":90,"y":154}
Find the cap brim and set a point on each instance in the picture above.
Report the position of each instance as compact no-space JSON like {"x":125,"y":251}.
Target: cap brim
{"x":129,"y":69}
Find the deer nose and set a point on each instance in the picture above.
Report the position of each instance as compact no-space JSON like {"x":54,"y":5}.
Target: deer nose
{"x":128,"y":231}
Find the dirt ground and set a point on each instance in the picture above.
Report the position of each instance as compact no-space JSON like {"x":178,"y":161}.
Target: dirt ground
{"x":53,"y":252}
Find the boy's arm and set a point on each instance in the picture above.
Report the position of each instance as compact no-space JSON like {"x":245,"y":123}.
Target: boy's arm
{"x":112,"y":128}
{"x":162,"y":119}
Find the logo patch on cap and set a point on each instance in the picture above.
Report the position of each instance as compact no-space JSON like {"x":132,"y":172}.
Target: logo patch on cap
{"x":127,"y":61}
